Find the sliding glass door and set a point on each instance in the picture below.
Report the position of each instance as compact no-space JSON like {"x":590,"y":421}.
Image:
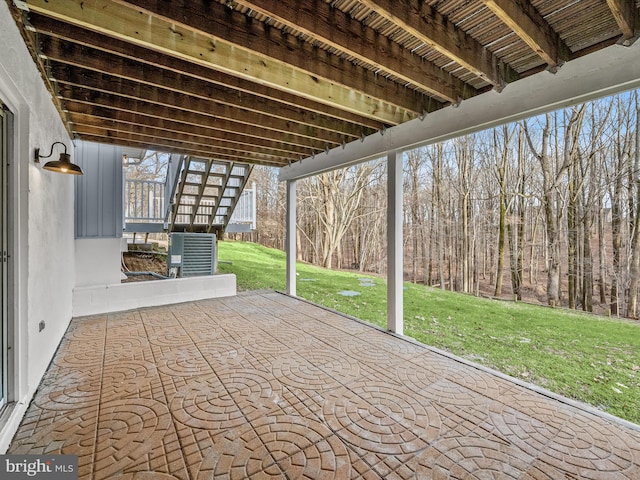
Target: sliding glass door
{"x":4,"y":275}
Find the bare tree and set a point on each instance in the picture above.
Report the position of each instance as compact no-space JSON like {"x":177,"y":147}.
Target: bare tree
{"x":516,"y":228}
{"x":616,"y":174}
{"x":414,"y":207}
{"x":501,"y":152}
{"x":335,"y":197}
{"x":153,"y":166}
{"x":572,"y":159}
{"x":270,"y":207}
{"x":564,"y":188}
{"x":437,"y":212}
{"x":634,"y":266}
{"x":551,"y":176}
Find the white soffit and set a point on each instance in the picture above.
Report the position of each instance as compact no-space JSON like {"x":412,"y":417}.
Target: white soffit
{"x":608,"y":71}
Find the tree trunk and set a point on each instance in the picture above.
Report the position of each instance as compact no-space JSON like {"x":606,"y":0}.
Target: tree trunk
{"x":572,"y":161}
{"x":602,"y":280}
{"x":501,"y":244}
{"x":587,"y":278}
{"x":634,"y":267}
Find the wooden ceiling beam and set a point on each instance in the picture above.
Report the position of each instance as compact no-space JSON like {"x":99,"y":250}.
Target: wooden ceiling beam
{"x":88,"y":80}
{"x":175,"y":147}
{"x":320,"y":21}
{"x":215,"y":19}
{"x":99,"y":104}
{"x":79,"y":56}
{"x":134,"y":122}
{"x":527,"y":23}
{"x":77,"y":35}
{"x":626,"y":14}
{"x":153,"y":136}
{"x":298,"y":68}
{"x":91,"y":125}
{"x":435,"y":30}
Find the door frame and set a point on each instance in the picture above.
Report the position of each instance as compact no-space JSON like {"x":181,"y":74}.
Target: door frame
{"x":6,"y":245}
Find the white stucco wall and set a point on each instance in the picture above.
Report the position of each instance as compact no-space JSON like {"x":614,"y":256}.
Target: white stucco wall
{"x":42,"y":232}
{"x":98,"y":261}
{"x":126,"y":296}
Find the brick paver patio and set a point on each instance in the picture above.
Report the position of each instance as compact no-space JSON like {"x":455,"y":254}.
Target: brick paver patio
{"x":266,"y":386}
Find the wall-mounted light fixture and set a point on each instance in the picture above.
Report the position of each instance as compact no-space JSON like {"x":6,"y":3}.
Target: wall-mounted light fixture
{"x":62,"y":165}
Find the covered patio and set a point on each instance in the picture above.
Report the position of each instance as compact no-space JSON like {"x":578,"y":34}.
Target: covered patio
{"x":264,"y":385}
{"x":267,"y":385}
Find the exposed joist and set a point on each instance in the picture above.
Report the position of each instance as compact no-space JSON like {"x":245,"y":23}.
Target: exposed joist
{"x":135,"y":53}
{"x":214,"y":151}
{"x":626,"y":14}
{"x":335,"y":28}
{"x":110,"y":105}
{"x":290,"y":80}
{"x":84,"y":125}
{"x":86,"y":58}
{"x":314,"y":76}
{"x":196,"y":134}
{"x":86,"y":83}
{"x":226,"y":24}
{"x":436,"y":31}
{"x":169,"y":146}
{"x":527,"y":23}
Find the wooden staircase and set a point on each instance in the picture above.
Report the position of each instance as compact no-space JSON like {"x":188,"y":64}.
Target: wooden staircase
{"x":204,"y":194}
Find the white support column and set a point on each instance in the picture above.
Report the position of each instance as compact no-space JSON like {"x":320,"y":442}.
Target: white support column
{"x":291,"y":237}
{"x":395,"y":305}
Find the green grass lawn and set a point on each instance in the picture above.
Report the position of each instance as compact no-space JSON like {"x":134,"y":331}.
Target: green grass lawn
{"x":592,"y":359}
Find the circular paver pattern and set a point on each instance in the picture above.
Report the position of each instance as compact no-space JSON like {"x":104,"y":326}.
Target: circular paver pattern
{"x":380,"y":350}
{"x":71,"y":391}
{"x":205,"y":403}
{"x":183,"y":362}
{"x":382,"y":419}
{"x":300,"y":374}
{"x":317,"y":371}
{"x":128,"y":429}
{"x":238,"y":324}
{"x":202,"y":333}
{"x":343,"y":369}
{"x":472,"y":458}
{"x":527,"y":432}
{"x":265,"y":344}
{"x":170,"y":338}
{"x":327,"y":459}
{"x":221,"y":352}
{"x":451,"y":394}
{"x":254,"y":391}
{"x":416,"y":378}
{"x":127,"y":378}
{"x":72,"y":434}
{"x":159,"y":320}
{"x":81,"y":355}
{"x":280,"y":445}
{"x":83,"y":333}
{"x":480,"y":383}
{"x":595,"y":453}
{"x":128,"y":343}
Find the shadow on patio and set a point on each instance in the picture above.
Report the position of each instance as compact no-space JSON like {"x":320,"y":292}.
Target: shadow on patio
{"x":266,"y":386}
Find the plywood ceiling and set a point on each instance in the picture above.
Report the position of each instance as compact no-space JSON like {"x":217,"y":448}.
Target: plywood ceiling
{"x":272,"y":81}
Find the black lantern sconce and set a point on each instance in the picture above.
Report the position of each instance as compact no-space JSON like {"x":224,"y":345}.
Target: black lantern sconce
{"x":62,"y":165}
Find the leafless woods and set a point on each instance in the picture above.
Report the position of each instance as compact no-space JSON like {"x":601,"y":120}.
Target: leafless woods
{"x":545,"y":210}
